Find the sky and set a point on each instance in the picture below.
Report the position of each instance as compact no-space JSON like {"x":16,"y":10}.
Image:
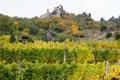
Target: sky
{"x":31,"y":8}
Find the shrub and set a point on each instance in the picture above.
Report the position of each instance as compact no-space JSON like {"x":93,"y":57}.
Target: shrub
{"x":103,"y":28}
{"x":109,"y":35}
{"x":33,"y":30}
{"x":59,"y":37}
{"x":117,"y":35}
{"x":12,"y":38}
{"x":25,"y":38}
{"x":79,"y":34}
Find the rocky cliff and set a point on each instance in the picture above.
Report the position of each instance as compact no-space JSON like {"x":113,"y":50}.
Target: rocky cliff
{"x":58,"y":11}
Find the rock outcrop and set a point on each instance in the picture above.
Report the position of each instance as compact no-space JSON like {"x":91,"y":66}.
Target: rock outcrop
{"x":114,"y":20}
{"x":46,"y":15}
{"x":58,"y":11}
{"x":49,"y":36}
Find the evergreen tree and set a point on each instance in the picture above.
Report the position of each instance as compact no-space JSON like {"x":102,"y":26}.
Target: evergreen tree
{"x":12,"y":38}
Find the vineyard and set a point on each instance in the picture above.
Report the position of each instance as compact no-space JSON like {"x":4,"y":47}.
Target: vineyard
{"x":69,"y":60}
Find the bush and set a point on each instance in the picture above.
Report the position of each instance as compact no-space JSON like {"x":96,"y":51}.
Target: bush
{"x":109,"y":35}
{"x":80,"y":34}
{"x":12,"y":38}
{"x":60,"y":37}
{"x":117,"y":35}
{"x":103,"y":28}
{"x":33,"y":30}
{"x":25,"y":38}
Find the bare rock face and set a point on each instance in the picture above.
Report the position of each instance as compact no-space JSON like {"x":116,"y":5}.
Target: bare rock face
{"x":114,"y":20}
{"x":58,"y":11}
{"x":46,"y":15}
{"x":102,"y":19}
{"x":49,"y":36}
{"x":84,"y":14}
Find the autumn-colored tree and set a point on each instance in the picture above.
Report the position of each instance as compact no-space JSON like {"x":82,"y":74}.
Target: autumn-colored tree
{"x":60,"y":26}
{"x":56,"y":19}
{"x":68,"y":16}
{"x":69,"y":22}
{"x":26,"y":31}
{"x":57,"y":24}
{"x":16,"y":23}
{"x":92,"y":25}
{"x":43,"y":23}
{"x":74,"y":29}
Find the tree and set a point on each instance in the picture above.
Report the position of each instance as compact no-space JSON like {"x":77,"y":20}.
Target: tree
{"x":6,"y":24}
{"x":76,"y":32}
{"x":25,"y":23}
{"x":43,"y":23}
{"x":103,"y":26}
{"x":93,"y":25}
{"x":117,"y":35}
{"x":26,"y":31}
{"x":16,"y":23}
{"x":33,"y":30}
{"x":12,"y":38}
{"x":74,"y":29}
{"x":60,"y":26}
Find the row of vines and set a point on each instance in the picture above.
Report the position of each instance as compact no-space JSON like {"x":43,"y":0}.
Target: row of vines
{"x":69,"y":60}
{"x":57,"y":71}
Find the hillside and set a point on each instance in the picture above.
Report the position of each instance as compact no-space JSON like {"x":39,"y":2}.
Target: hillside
{"x":60,"y":25}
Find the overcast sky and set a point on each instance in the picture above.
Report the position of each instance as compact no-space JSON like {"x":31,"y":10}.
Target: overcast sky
{"x":31,"y":8}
